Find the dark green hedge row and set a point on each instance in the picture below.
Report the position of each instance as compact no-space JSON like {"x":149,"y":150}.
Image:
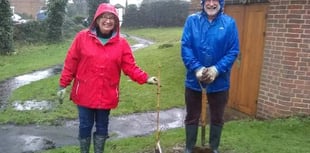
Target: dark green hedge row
{"x":6,"y":37}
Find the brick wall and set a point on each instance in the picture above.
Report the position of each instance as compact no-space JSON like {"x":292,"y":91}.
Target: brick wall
{"x":29,"y":7}
{"x":285,"y":81}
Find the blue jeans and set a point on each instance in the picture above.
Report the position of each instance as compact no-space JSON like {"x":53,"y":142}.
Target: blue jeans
{"x":88,"y":117}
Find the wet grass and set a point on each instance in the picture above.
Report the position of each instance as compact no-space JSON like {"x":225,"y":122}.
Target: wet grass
{"x":133,"y":97}
{"x":32,"y":57}
{"x":159,"y":35}
{"x":245,"y":136}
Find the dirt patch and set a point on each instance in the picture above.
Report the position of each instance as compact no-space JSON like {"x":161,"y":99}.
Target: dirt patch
{"x":232,"y":114}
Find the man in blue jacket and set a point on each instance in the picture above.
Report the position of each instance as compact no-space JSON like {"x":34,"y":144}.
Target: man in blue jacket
{"x":209,"y":47}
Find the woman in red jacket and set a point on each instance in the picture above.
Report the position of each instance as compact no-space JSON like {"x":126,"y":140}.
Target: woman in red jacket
{"x":95,"y":61}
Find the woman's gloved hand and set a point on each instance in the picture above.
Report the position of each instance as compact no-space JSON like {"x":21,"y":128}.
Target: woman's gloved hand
{"x":61,"y":94}
{"x":152,"y":80}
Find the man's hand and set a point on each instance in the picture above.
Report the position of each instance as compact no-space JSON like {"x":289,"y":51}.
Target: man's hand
{"x":209,"y":74}
{"x":152,"y":80}
{"x":61,"y":94}
{"x":199,"y":73}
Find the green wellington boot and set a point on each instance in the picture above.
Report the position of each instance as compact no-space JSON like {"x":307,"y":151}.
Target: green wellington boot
{"x":84,"y":145}
{"x":191,"y":132}
{"x":99,"y":142}
{"x":215,"y":137}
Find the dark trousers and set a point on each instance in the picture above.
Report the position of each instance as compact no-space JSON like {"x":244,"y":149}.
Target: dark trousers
{"x":216,"y":101}
{"x":88,"y":117}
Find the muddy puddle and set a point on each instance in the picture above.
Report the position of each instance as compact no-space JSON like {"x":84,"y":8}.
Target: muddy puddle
{"x":30,"y":138}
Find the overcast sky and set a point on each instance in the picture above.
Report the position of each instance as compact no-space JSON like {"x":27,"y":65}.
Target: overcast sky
{"x":122,"y":2}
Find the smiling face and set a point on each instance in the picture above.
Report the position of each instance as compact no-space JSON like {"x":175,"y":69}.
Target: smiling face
{"x":106,"y":22}
{"x":212,"y":7}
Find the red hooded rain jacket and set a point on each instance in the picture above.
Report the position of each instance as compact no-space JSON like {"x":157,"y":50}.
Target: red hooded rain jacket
{"x":96,"y":67}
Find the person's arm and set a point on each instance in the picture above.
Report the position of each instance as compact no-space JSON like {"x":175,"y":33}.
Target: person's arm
{"x":70,"y":63}
{"x":232,"y":52}
{"x":189,"y":59}
{"x":131,"y":69}
{"x":69,"y":69}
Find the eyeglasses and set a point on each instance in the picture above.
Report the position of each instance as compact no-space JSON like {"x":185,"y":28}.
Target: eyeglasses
{"x":107,"y":17}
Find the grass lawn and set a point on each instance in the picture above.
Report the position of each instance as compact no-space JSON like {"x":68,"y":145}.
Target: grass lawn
{"x":133,"y":97}
{"x":288,"y":135}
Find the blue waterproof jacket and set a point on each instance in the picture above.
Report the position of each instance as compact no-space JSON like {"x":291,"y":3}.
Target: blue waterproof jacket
{"x":206,"y":44}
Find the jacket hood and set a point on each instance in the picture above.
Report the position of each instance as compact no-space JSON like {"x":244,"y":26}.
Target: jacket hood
{"x":202,"y":2}
{"x":104,"y":8}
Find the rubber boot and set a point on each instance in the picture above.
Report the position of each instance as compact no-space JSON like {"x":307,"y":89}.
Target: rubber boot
{"x":84,"y":145}
{"x":215,"y":137}
{"x":191,"y":132}
{"x":99,"y":142}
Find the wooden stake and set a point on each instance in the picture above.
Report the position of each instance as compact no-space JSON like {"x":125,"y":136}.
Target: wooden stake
{"x":158,"y":147}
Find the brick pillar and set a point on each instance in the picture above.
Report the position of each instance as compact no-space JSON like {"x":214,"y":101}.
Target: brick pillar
{"x":285,"y":81}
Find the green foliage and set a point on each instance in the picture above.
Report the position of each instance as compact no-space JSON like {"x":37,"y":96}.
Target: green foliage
{"x":6,"y":30}
{"x":156,"y":14}
{"x":132,"y":16}
{"x":142,"y":99}
{"x":36,"y":31}
{"x":71,"y":28}
{"x":55,"y":19}
{"x":78,"y":19}
{"x":92,"y":7}
{"x":30,"y":32}
{"x":79,"y":7}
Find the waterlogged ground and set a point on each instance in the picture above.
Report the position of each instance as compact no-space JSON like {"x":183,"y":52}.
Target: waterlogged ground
{"x":7,"y":86}
{"x":31,"y":138}
{"x":22,"y":139}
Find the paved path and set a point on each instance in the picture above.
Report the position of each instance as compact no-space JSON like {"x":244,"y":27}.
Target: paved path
{"x":19,"y":139}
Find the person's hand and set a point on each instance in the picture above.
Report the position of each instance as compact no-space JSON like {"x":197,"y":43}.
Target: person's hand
{"x":199,"y":73}
{"x":210,"y":74}
{"x":61,"y":94}
{"x":152,"y":80}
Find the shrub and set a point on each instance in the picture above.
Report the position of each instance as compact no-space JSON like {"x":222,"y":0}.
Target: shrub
{"x":30,"y":32}
{"x":6,"y":31}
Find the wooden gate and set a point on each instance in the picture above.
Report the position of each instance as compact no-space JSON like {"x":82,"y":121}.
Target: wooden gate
{"x":246,"y":71}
